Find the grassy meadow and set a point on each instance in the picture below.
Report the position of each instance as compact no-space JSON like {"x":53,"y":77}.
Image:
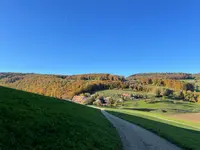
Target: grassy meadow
{"x":153,"y":104}
{"x":31,"y":121}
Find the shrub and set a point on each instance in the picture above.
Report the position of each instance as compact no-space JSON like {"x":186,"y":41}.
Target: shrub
{"x":157,"y":92}
{"x":89,"y":100}
{"x":95,"y":95}
{"x":139,"y":96}
{"x":166,"y":92}
{"x":87,"y":94}
{"x":190,"y":96}
{"x":179,"y":95}
{"x":97,"y":103}
{"x":164,"y":97}
{"x":110,"y":101}
{"x":100,"y":97}
{"x":198,"y":99}
{"x":115,"y":104}
{"x":188,"y":86}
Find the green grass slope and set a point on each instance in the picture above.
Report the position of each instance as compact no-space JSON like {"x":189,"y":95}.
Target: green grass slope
{"x":30,"y":121}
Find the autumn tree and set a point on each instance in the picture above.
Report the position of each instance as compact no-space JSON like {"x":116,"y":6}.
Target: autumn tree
{"x":157,"y":92}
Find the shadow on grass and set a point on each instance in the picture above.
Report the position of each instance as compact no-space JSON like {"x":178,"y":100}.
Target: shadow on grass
{"x":161,"y":110}
{"x":142,"y":109}
{"x":171,"y":102}
{"x":185,"y":138}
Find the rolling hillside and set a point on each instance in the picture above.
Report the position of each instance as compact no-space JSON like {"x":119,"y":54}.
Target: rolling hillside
{"x":31,"y":121}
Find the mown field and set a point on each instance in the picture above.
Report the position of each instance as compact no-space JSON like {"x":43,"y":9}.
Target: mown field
{"x":116,"y":93}
{"x":30,"y":121}
{"x":152,"y":104}
{"x":163,"y":106}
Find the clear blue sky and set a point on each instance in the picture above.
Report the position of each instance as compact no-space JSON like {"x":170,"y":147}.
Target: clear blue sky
{"x":92,"y":36}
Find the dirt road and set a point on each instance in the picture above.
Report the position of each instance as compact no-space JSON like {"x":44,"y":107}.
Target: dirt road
{"x":134,"y":137}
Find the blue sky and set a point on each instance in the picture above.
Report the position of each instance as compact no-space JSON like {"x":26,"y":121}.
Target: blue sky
{"x":95,"y":36}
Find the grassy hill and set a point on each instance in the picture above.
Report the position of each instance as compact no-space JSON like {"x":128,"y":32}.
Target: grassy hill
{"x":30,"y":121}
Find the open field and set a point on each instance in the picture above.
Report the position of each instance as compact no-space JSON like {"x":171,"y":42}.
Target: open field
{"x":194,"y":117}
{"x":116,"y":93}
{"x":30,"y":121}
{"x":163,"y":106}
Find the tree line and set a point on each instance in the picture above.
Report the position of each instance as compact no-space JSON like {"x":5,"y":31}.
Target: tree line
{"x":175,"y":76}
{"x":61,"y":86}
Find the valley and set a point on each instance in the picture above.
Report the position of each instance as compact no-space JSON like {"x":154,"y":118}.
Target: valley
{"x":167,"y":104}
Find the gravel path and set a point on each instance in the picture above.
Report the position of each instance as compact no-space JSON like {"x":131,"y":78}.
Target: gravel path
{"x":134,"y":137}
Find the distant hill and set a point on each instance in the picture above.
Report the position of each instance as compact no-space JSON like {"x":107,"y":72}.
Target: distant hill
{"x":31,"y":121}
{"x":161,"y":75}
{"x":169,"y":80}
{"x":196,"y":76}
{"x":60,"y":86}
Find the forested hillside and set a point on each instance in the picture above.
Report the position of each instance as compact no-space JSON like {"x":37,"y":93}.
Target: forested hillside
{"x":161,"y":75}
{"x":61,"y":86}
{"x":169,"y":80}
{"x":175,"y":85}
